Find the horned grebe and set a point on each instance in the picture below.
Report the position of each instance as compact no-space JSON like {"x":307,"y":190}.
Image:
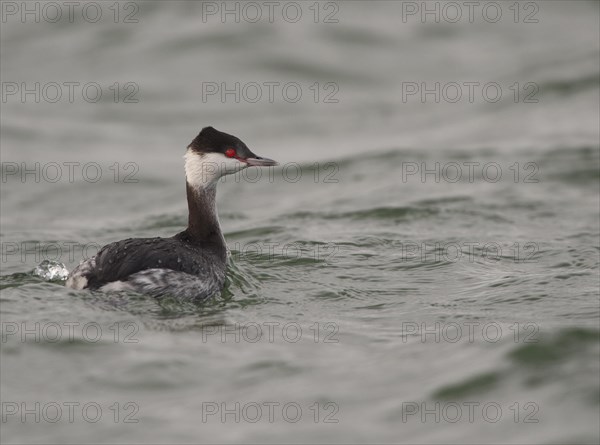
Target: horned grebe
{"x":191,"y":264}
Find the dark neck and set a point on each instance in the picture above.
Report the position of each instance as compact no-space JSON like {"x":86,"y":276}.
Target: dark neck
{"x":203,"y":222}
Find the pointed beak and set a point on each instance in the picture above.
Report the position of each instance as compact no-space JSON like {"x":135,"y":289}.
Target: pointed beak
{"x":260,"y":162}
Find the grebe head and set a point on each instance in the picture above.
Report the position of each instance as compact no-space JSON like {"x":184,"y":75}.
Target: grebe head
{"x":213,"y":154}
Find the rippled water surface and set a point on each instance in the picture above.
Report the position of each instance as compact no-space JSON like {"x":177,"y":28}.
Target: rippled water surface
{"x":412,"y":273}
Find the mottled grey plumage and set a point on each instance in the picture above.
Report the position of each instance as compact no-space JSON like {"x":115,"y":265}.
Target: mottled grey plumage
{"x":155,"y":266}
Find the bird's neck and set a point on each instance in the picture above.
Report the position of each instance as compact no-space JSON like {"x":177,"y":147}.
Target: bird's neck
{"x":203,"y":221}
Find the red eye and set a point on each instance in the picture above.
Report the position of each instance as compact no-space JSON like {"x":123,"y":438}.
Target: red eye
{"x":230,"y":153}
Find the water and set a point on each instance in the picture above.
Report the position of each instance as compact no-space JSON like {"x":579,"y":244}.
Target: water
{"x":393,"y":307}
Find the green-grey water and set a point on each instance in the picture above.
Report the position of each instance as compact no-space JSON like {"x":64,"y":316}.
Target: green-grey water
{"x":415,"y":271}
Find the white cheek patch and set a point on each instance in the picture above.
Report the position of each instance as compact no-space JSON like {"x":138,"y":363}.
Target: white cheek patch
{"x":206,"y":169}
